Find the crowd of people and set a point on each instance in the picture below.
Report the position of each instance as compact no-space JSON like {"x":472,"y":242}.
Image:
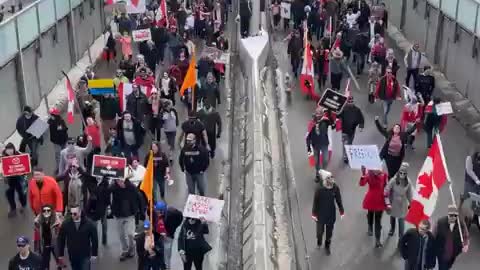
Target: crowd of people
{"x":69,"y":204}
{"x":350,"y":35}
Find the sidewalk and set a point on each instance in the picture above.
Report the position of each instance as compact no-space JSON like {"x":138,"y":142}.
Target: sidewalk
{"x":464,"y":111}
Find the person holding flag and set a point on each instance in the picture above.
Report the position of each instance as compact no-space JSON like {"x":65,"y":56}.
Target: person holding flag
{"x":149,"y":249}
{"x":318,"y":140}
{"x":190,"y":82}
{"x":307,"y":75}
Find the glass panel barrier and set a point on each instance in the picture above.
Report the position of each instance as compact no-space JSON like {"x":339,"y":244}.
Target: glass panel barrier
{"x":8,"y":42}
{"x":28,"y":26}
{"x":63,"y":8}
{"x":46,"y":9}
{"x":449,"y":7}
{"x":435,"y":3}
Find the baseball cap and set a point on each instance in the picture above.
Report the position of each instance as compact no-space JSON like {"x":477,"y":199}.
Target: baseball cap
{"x":22,"y":241}
{"x":160,"y":206}
{"x":146,"y":224}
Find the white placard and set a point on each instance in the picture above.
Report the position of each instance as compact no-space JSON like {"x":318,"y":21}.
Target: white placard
{"x":142,"y":35}
{"x":37,"y":128}
{"x":444,"y":108}
{"x":285,"y":10}
{"x":363,"y":155}
{"x":203,"y":207}
{"x":136,"y":6}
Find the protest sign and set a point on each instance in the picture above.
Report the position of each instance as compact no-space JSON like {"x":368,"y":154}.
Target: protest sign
{"x":333,"y":100}
{"x":444,"y":108}
{"x":285,"y":10}
{"x":142,"y":35}
{"x":203,"y":207}
{"x":37,"y":128}
{"x":363,"y":155}
{"x":16,"y":165}
{"x":113,"y":167}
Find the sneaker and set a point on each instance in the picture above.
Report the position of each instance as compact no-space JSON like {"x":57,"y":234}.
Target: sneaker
{"x":378,"y":244}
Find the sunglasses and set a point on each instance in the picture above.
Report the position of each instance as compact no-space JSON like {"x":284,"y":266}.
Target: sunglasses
{"x":452,"y":215}
{"x":75,"y":213}
{"x":46,"y":210}
{"x":402,"y":173}
{"x":21,"y":246}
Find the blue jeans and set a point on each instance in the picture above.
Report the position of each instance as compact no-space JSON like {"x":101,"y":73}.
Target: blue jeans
{"x":80,"y":263}
{"x":196,"y":181}
{"x":130,"y":151}
{"x":401,"y":225}
{"x":316,"y":152}
{"x":387,"y":104}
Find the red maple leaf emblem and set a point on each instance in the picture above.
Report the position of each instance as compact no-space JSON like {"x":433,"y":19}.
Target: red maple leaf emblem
{"x":425,"y":181}
{"x":135,"y":2}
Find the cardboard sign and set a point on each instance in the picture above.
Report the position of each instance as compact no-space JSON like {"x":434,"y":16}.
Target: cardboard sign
{"x":142,"y":35}
{"x":444,"y":108}
{"x":285,"y":10}
{"x":37,"y":128}
{"x":333,"y":100}
{"x":16,"y":165}
{"x":363,"y":155}
{"x":113,"y":167}
{"x":203,"y":207}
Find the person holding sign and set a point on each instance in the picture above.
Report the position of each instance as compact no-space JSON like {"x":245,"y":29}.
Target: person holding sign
{"x":23,"y":123}
{"x":393,"y":151}
{"x":374,"y":201}
{"x":15,"y":183}
{"x":192,"y":245}
{"x":351,"y":117}
{"x":434,"y":122}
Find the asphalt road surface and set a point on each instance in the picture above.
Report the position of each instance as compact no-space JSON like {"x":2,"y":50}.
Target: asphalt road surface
{"x":176,"y":195}
{"x":351,"y":247}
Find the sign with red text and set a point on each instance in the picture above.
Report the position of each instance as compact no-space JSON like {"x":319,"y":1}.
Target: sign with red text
{"x":142,"y":35}
{"x":203,"y":207}
{"x":16,"y":165}
{"x":113,"y":167}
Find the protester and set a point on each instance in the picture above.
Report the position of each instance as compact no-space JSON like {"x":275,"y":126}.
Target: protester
{"x":155,"y":114}
{"x":374,"y":201}
{"x":195,"y":126}
{"x":136,"y":172}
{"x":387,"y":91}
{"x":337,"y":69}
{"x":213,"y":125}
{"x":413,"y":60}
{"x":351,"y":117}
{"x":317,"y":140}
{"x":58,"y":133}
{"x":172,"y":219}
{"x":425,"y":84}
{"x":48,"y":224}
{"x":109,"y":110}
{"x":161,"y":169}
{"x":323,"y":209}
{"x":194,"y":162}
{"x":25,"y":258}
{"x":417,"y":247}
{"x":433,"y":123}
{"x":130,"y":133}
{"x":73,"y":152}
{"x":15,"y":184}
{"x":137,"y":103}
{"x":411,"y":116}
{"x":23,"y":123}
{"x":44,"y":190}
{"x":98,"y":203}
{"x":149,"y":248}
{"x":192,"y":245}
{"x":170,"y":124}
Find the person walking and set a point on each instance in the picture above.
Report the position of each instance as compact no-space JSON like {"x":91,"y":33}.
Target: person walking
{"x":23,"y":123}
{"x":351,"y":117}
{"x":161,"y":169}
{"x":98,"y":202}
{"x":323,"y":209}
{"x":195,"y":126}
{"x":374,"y":201}
{"x":413,"y":60}
{"x":425,"y":84}
{"x":172,"y":219}
{"x":448,"y":241}
{"x":15,"y":184}
{"x":170,"y":124}
{"x":58,"y":133}
{"x":44,"y":190}
{"x":131,"y":134}
{"x":212,"y":120}
{"x":48,"y":224}
{"x":398,"y":195}
{"x":192,"y":245}
{"x":25,"y":258}
{"x":126,"y":204}
{"x":110,"y":108}
{"x":194,"y":161}
{"x":337,"y":69}
{"x":417,"y":247}
{"x":433,"y":122}
{"x":137,"y":103}
{"x":73,"y":152}
{"x":387,"y":91}
{"x":393,"y":151}
{"x":79,"y":234}
{"x":149,"y":247}
{"x":317,"y":140}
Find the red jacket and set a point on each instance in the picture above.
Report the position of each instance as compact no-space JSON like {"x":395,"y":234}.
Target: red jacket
{"x":50,"y":194}
{"x":411,"y":117}
{"x":94,"y":132}
{"x":374,"y":198}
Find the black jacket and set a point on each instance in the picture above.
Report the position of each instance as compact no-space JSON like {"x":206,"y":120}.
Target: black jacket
{"x":192,"y":240}
{"x":23,"y":124}
{"x":109,"y":107}
{"x":32,"y":262}
{"x":81,"y":243}
{"x":318,"y":135}
{"x":324,"y":204}
{"x":58,"y":130}
{"x":172,"y":220}
{"x":388,"y":135}
{"x":194,"y":159}
{"x":210,"y":92}
{"x":137,"y":105}
{"x":409,"y":246}
{"x":212,"y":122}
{"x":425,"y":84}
{"x":351,"y":117}
{"x":138,"y":131}
{"x":443,"y":232}
{"x":144,"y":255}
{"x":98,"y":200}
{"x":360,"y":45}
{"x":126,"y":201}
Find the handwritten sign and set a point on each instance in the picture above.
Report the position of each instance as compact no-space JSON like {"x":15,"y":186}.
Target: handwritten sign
{"x":363,"y":155}
{"x":142,"y":35}
{"x":37,"y":128}
{"x":444,"y":108}
{"x":203,"y":207}
{"x":285,"y":10}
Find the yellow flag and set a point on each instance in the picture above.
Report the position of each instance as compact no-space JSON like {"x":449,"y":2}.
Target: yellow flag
{"x":147,"y":184}
{"x":190,"y":79}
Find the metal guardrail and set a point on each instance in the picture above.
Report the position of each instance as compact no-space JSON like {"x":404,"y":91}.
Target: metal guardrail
{"x":464,"y":12}
{"x":21,"y":29}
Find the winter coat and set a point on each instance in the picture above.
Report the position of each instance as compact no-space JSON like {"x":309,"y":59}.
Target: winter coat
{"x":374,"y":198}
{"x":23,"y":124}
{"x":144,"y":254}
{"x":210,"y":92}
{"x":324,"y":202}
{"x":212,"y":121}
{"x":172,"y":220}
{"x":444,"y":236}
{"x":360,"y":45}
{"x":387,"y":92}
{"x":409,"y":246}
{"x":194,"y":159}
{"x":49,"y":194}
{"x":425,"y":84}
{"x":82,"y":242}
{"x":351,"y":117}
{"x":77,"y":152}
{"x":98,"y":200}
{"x":318,"y":135}
{"x":138,"y":131}
{"x":398,"y":196}
{"x":192,"y":239}
{"x":58,"y":130}
{"x":126,"y":202}
{"x":109,"y":107}
{"x":388,"y":135}
{"x":65,"y":178}
{"x":137,"y":105}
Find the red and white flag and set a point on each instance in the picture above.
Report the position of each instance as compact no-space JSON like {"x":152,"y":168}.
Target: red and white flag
{"x":307,"y":75}
{"x":347,"y":88}
{"x":124,"y":89}
{"x":431,"y":178}
{"x":71,"y":102}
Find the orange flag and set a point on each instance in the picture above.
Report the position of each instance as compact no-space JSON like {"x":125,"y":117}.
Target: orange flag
{"x":147,"y":184}
{"x":190,"y":79}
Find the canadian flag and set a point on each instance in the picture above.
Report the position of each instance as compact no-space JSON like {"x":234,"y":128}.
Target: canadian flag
{"x":124,"y":89}
{"x":71,"y":101}
{"x":307,"y":75}
{"x":430,"y":180}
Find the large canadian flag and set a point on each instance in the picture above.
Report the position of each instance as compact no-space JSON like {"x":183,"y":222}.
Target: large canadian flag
{"x":71,"y":102}
{"x":307,"y":75}
{"x":431,"y":178}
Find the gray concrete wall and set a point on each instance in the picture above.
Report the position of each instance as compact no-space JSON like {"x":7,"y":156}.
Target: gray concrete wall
{"x":435,"y":32}
{"x":48,"y":61}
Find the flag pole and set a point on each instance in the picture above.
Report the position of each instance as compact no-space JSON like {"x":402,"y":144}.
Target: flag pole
{"x":77,"y":105}
{"x":452,"y":195}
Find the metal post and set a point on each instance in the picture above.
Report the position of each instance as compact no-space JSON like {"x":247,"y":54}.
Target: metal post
{"x":255,"y":20}
{"x":20,"y":73}
{"x":74,"y":35}
{"x":37,"y":64}
{"x":234,"y":27}
{"x":456,"y":35}
{"x":403,"y":14}
{"x":475,"y":37}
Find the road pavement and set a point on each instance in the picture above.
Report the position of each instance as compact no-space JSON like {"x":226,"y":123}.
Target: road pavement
{"x":176,"y":195}
{"x":351,"y":247}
